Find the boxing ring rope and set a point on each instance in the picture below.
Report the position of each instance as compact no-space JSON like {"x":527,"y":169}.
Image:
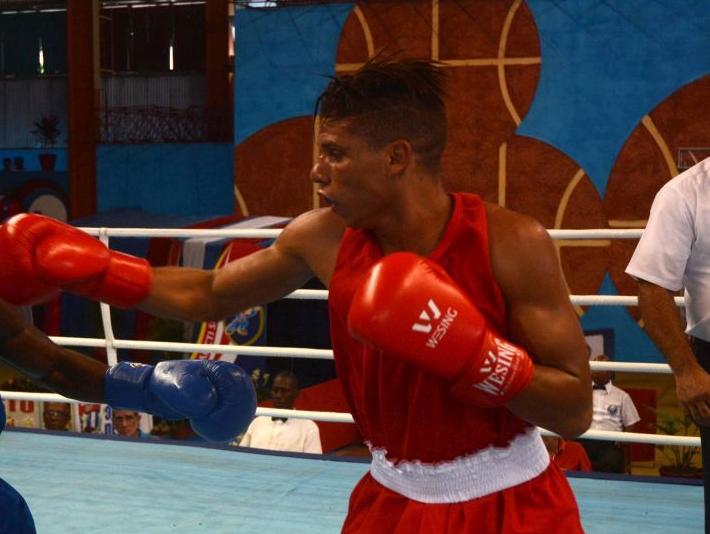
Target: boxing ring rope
{"x":339,"y":417}
{"x":112,"y":345}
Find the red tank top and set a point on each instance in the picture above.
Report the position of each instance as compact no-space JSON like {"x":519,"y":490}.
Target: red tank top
{"x":397,"y":406}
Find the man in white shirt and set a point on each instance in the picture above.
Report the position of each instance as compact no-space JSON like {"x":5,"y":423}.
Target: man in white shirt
{"x":613,"y":410}
{"x":281,"y":433}
{"x":673,"y":254}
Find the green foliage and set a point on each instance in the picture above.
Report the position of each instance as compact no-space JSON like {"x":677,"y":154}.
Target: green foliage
{"x":46,"y":130}
{"x":677,"y":455}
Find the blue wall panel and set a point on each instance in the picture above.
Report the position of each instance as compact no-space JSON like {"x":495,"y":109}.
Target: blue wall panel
{"x":174,"y":179}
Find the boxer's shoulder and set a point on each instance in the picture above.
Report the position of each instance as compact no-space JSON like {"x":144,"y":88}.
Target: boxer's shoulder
{"x":520,"y":247}
{"x":320,"y":226}
{"x":511,"y":229}
{"x":314,"y":236}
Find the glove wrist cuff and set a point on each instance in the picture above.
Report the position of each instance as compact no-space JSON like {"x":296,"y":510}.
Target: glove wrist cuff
{"x":124,"y":385}
{"x":497,"y":375}
{"x":126,"y":282}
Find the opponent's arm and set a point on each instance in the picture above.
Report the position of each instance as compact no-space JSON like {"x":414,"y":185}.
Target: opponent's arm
{"x":217,"y":397}
{"x":64,"y":371}
{"x":542,"y":320}
{"x":662,"y":322}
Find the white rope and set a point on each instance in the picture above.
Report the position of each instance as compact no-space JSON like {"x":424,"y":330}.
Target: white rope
{"x":174,"y":346}
{"x":632,"y":367}
{"x":603,"y":233}
{"x":186,"y":233}
{"x":297,"y":352}
{"x":340,"y":417}
{"x":600,"y":233}
{"x":112,"y":344}
{"x":580,"y":300}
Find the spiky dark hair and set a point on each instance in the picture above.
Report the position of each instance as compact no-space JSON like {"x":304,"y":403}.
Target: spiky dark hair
{"x":388,"y":99}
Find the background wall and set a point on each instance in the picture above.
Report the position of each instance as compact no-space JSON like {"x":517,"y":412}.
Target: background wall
{"x":573,"y":113}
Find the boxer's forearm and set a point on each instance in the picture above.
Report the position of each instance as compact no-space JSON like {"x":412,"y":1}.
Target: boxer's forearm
{"x":180,"y":293}
{"x":557,"y":401}
{"x":61,"y":370}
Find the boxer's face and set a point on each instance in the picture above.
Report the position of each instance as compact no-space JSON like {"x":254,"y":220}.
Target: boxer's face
{"x":351,"y":176}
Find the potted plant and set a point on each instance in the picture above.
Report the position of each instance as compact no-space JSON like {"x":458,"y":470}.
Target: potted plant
{"x":680,"y":458}
{"x":47,"y":131}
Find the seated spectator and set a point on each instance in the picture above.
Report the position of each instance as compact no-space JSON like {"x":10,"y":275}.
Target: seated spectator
{"x":567,"y":455}
{"x":56,"y":415}
{"x":613,"y":410}
{"x":282,"y":433}
{"x":127,"y":423}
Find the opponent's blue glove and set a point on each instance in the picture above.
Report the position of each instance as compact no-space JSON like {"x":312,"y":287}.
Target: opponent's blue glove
{"x":217,"y":397}
{"x":15,"y":516}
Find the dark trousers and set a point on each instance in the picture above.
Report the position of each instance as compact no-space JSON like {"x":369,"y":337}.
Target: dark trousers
{"x":606,"y":456}
{"x":702,"y":353}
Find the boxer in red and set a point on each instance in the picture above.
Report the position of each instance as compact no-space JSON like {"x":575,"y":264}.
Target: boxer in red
{"x":452,"y":329}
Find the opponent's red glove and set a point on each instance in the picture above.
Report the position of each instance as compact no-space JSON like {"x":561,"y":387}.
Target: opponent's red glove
{"x":410,"y":307}
{"x":40,"y":256}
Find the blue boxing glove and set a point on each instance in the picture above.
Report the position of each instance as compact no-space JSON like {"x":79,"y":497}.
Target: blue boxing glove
{"x":15,"y":515}
{"x":217,"y":397}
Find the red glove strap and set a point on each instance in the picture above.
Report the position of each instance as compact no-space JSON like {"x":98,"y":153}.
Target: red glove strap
{"x":497,"y":375}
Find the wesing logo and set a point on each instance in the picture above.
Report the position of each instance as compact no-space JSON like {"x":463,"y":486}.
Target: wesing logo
{"x":428,"y":318}
{"x":497,"y":368}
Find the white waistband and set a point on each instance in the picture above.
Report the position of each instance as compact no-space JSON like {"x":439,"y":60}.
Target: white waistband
{"x":467,"y":477}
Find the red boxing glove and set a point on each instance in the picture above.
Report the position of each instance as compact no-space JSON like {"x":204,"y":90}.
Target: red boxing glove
{"x":41,"y":256}
{"x":410,"y":307}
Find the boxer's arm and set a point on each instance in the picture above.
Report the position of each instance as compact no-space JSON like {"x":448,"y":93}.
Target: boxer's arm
{"x":31,"y":352}
{"x":543,"y":321}
{"x":217,"y":397}
{"x":259,"y":278}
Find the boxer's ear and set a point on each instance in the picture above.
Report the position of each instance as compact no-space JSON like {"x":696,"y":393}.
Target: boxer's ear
{"x":400,"y":156}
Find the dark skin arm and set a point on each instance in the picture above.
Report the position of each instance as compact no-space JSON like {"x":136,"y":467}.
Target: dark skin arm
{"x":542,"y":320}
{"x":33,"y":354}
{"x":265,"y":276}
{"x":186,"y":294}
{"x":663,"y":323}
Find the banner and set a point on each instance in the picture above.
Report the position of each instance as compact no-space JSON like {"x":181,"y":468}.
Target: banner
{"x":247,"y":327}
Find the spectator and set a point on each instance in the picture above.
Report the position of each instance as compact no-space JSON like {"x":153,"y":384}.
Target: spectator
{"x":281,"y":433}
{"x":567,"y":455}
{"x":56,"y":415}
{"x":127,"y":423}
{"x":613,"y":410}
{"x":672,"y":255}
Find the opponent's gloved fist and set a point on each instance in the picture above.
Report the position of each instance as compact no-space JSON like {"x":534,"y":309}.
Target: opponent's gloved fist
{"x":408,"y":306}
{"x":41,"y":256}
{"x":217,"y":397}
